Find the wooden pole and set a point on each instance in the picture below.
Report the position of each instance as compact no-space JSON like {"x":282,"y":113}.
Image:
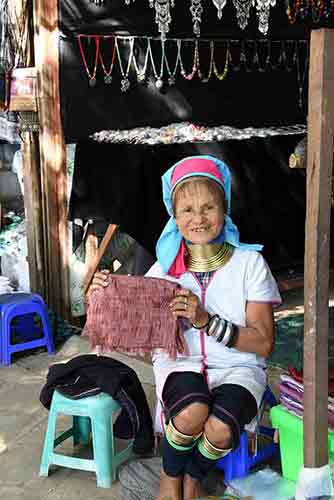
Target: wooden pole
{"x":30,"y":159}
{"x":317,"y":238}
{"x":33,"y":212}
{"x":53,"y":155}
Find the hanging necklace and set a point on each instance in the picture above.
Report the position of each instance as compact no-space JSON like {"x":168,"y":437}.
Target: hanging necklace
{"x":172,"y":74}
{"x":158,"y":77}
{"x":163,"y":16}
{"x":263,"y":10}
{"x":141,"y":73}
{"x":242,"y":7}
{"x":91,"y":76}
{"x":195,"y":66}
{"x":107,"y":73}
{"x":209,"y":257}
{"x":220,"y":4}
{"x":125,"y":82}
{"x":196,"y":11}
{"x":301,"y":76}
{"x":221,"y":76}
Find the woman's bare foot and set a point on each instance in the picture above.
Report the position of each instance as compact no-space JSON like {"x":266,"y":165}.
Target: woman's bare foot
{"x":170,"y":487}
{"x":192,"y":488}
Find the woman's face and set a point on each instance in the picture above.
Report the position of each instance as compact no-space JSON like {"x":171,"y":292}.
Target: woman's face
{"x":199,"y":212}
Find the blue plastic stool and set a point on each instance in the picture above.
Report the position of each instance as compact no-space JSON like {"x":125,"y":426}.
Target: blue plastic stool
{"x":91,"y":413}
{"x":22,"y":307}
{"x":239,"y":461}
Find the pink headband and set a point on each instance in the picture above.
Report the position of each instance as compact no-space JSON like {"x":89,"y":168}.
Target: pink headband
{"x":193,"y":166}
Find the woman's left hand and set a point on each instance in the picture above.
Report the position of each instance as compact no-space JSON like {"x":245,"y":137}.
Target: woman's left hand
{"x":187,"y":305}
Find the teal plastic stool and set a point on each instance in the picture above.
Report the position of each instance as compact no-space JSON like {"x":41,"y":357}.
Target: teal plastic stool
{"x":94,"y":414}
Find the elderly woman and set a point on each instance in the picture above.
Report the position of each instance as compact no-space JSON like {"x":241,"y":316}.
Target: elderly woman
{"x":226,"y":296}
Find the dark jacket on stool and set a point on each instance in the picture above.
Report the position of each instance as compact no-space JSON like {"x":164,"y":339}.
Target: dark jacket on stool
{"x":89,"y":374}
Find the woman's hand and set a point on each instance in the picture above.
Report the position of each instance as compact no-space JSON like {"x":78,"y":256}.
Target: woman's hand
{"x":187,"y":305}
{"x":100,"y":280}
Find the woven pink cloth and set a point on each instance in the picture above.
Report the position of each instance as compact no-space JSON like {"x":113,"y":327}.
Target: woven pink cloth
{"x":132,"y":315}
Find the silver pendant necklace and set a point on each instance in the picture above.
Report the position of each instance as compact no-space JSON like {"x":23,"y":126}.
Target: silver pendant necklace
{"x":125,"y":82}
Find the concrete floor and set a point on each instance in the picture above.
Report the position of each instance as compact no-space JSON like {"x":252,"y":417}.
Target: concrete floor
{"x":23,"y":422}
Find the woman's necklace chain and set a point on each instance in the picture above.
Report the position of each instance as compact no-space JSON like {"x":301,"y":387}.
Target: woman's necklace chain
{"x":125,"y":82}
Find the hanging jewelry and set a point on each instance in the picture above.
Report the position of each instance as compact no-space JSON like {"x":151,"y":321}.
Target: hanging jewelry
{"x":196,"y":11}
{"x":242,"y":7}
{"x":195,"y":66}
{"x":301,"y":77}
{"x":221,"y":76}
{"x":256,"y":58}
{"x":125,"y":82}
{"x":293,"y":57}
{"x":212,"y":48}
{"x":172,"y":74}
{"x":158,"y":77}
{"x":141,"y":73}
{"x":107,"y":73}
{"x":219,"y":4}
{"x":91,"y":76}
{"x":242,"y":58}
{"x":263,"y":10}
{"x":163,"y":16}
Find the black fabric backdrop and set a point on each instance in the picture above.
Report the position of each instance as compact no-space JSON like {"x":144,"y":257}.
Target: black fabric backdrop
{"x":122,"y":184}
{"x":245,"y":98}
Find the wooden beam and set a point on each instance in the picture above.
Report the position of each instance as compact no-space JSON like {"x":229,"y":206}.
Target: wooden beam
{"x":53,"y":155}
{"x":317,"y":238}
{"x":33,"y":212}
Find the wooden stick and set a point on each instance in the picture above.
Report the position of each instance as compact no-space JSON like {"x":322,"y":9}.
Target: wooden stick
{"x":317,"y":238}
{"x":101,"y":250}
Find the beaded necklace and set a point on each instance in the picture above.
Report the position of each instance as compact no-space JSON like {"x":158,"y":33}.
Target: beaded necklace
{"x":107,"y":73}
{"x":91,"y":75}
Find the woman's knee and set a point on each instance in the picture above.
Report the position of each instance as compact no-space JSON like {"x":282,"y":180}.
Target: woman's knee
{"x":192,"y":418}
{"x":218,"y":432}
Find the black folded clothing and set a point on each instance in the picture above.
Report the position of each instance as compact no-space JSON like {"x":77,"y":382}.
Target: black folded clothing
{"x":80,"y":388}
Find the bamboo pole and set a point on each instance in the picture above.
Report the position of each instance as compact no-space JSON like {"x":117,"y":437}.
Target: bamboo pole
{"x":52,"y":155}
{"x":317,"y":238}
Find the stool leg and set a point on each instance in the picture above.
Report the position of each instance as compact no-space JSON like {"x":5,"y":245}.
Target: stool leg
{"x":103,"y":443}
{"x":47,"y":332}
{"x":48,"y":444}
{"x":81,"y":430}
{"x":6,"y":354}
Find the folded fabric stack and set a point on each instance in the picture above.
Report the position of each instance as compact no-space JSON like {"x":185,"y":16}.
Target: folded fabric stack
{"x":292,"y":394}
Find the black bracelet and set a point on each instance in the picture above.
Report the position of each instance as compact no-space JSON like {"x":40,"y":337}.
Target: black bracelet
{"x":203,"y":326}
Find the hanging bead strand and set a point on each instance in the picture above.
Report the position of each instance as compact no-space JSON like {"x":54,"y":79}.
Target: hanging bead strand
{"x":222,"y":76}
{"x":91,"y":76}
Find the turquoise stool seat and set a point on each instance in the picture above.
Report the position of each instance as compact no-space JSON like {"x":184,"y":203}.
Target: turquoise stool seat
{"x":92,"y":414}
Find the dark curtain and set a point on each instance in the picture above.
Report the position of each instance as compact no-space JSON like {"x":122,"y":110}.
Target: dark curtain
{"x":122,"y":184}
{"x":245,"y":98}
